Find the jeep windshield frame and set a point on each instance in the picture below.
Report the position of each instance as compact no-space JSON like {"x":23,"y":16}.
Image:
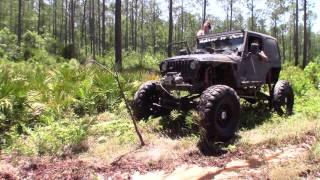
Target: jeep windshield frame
{"x":223,"y":42}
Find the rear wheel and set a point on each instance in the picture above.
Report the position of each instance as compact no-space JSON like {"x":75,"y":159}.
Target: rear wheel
{"x":283,"y":98}
{"x":146,"y":101}
{"x":219,"y":110}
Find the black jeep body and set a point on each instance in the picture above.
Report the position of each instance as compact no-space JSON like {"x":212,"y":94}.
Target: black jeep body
{"x":223,"y":68}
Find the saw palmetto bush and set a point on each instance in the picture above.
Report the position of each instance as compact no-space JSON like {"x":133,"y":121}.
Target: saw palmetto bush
{"x":34,"y":94}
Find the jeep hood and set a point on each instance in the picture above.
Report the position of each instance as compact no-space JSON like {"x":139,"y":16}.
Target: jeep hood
{"x":208,"y":58}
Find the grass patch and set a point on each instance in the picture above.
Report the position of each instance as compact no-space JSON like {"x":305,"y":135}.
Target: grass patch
{"x":278,"y":130}
{"x":55,"y":138}
{"x":315,"y":153}
{"x":275,"y":130}
{"x":290,"y":170}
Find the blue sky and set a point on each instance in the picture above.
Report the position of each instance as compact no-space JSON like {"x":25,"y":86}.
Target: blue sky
{"x":215,"y":9}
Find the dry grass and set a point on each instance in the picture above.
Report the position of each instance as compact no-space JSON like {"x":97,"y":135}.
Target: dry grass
{"x":277,"y":131}
{"x":290,"y":170}
{"x":106,"y":151}
{"x":157,"y":149}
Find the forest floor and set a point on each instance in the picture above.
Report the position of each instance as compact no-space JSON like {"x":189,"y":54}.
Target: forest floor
{"x":166,"y":159}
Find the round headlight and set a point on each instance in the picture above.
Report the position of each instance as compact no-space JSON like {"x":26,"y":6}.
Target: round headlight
{"x":164,"y":66}
{"x":194,"y":65}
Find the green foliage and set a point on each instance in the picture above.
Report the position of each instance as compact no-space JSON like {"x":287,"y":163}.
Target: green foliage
{"x":52,"y":139}
{"x":13,"y":94}
{"x":299,"y":80}
{"x":7,"y":43}
{"x":32,"y":40}
{"x":309,"y":104}
{"x":122,"y":129}
{"x":33,"y":94}
{"x":312,"y":71}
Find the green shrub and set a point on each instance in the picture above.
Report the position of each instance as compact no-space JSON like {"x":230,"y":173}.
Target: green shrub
{"x":299,"y":80}
{"x":8,"y":43}
{"x":42,"y":56}
{"x":52,"y":46}
{"x":32,"y":40}
{"x":52,"y":139}
{"x":123,"y":129}
{"x":312,"y":71}
{"x":13,"y":94}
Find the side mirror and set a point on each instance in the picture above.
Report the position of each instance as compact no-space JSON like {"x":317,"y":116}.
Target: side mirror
{"x":254,"y":48}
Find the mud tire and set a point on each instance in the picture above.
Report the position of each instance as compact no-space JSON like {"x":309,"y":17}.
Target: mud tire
{"x":283,"y":98}
{"x":219,"y":110}
{"x":144,"y":99}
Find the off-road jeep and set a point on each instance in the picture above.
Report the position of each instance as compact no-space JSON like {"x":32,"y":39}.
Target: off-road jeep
{"x":222,"y":68}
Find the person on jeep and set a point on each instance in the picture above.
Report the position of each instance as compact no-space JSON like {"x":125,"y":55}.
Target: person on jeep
{"x":206,"y":27}
{"x":262,"y":56}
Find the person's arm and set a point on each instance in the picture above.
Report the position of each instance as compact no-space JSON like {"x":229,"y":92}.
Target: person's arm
{"x":263,"y":56}
{"x":200,"y":33}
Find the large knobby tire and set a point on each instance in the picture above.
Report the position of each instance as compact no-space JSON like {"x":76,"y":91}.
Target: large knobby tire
{"x":283,"y":98}
{"x":219,"y":109}
{"x":144,"y":99}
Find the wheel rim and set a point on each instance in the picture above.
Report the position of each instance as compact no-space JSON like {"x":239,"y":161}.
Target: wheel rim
{"x":153,"y":99}
{"x":285,"y":105}
{"x":224,"y":116}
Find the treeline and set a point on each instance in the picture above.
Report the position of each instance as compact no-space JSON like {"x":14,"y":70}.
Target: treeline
{"x":87,"y":27}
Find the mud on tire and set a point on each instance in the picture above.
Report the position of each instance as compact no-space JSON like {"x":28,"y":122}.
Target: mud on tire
{"x":144,"y":98}
{"x":219,"y":109}
{"x":283,"y":98}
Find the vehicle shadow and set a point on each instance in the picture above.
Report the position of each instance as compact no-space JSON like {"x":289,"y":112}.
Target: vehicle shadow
{"x":179,"y":124}
{"x":186,"y":124}
{"x":253,"y":115}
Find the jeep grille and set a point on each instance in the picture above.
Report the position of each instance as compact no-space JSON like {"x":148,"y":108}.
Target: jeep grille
{"x":179,"y":66}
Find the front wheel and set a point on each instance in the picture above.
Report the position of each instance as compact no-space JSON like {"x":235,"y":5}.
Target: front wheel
{"x":283,"y":98}
{"x":219,"y":110}
{"x":145,"y":100}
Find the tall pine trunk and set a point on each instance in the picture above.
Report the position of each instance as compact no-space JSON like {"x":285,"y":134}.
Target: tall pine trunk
{"x":126,"y":43}
{"x":283,"y":46}
{"x":93,"y":30}
{"x":296,"y":37}
{"x":66,"y":23}
{"x":12,"y":21}
{"x":1,"y":17}
{"x":72,"y":8}
{"x":142,"y":34}
{"x":39,"y":15}
{"x":132,"y":23}
{"x":83,"y":24}
{"x":19,"y":32}
{"x":117,"y":39}
{"x":231,"y":13}
{"x":55,"y":19}
{"x":182,"y":20}
{"x":169,"y":52}
{"x":103,"y":27}
{"x":153,"y":28}
{"x":204,"y":11}
{"x":135,"y":25}
{"x":305,"y":35}
{"x":252,"y":16}
{"x":99,"y":28}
